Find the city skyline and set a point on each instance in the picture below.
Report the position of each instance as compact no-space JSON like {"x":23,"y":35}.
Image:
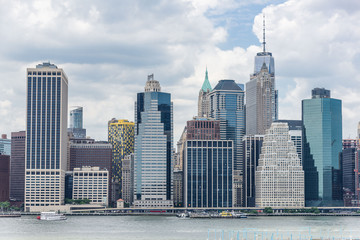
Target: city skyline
{"x":224,"y":36}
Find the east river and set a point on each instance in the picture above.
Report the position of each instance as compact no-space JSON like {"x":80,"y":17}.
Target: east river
{"x":161,"y":228}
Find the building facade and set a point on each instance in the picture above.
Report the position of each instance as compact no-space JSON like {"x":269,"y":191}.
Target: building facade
{"x":153,"y":169}
{"x":322,"y":141}
{"x":295,"y":131}
{"x":227,"y":106}
{"x":208,"y":172}
{"x":76,"y":123}
{"x":17,"y":166}
{"x":252,"y":149}
{"x":121,"y":137}
{"x":348,"y":159}
{"x":46,"y":136}
{"x":91,"y":183}
{"x":279,"y":176}
{"x":203,"y":100}
{"x":4,"y":177}
{"x":5,"y":145}
{"x":128,"y":179}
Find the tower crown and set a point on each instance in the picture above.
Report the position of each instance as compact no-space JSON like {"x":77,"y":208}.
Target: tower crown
{"x":206,"y":85}
{"x":152,"y":85}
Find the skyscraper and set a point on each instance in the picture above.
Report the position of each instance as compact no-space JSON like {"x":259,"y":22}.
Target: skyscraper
{"x":295,"y":131}
{"x":153,"y":147}
{"x":17,"y":166}
{"x":322,"y":141}
{"x":46,"y":137}
{"x":208,"y":166}
{"x":203,"y":100}
{"x":121,"y":137}
{"x":252,"y":148}
{"x":279,"y":176}
{"x":227,"y":106}
{"x":76,"y":123}
{"x":261,"y":95}
{"x":4,"y":177}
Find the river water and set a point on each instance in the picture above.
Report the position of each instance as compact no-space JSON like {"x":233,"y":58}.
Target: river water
{"x":171,"y":228}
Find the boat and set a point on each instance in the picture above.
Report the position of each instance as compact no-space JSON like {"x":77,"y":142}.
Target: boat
{"x":51,"y":216}
{"x":183,"y":215}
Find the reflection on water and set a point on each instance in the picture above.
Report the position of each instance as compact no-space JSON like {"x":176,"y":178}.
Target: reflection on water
{"x":161,"y":228}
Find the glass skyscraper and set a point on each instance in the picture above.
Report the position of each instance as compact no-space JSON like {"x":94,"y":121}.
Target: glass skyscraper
{"x":227,"y":106}
{"x":76,"y":123}
{"x":322,"y":144}
{"x":153,"y":147}
{"x":46,"y":137}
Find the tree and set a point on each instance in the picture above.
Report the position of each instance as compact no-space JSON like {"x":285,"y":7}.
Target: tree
{"x":268,"y":210}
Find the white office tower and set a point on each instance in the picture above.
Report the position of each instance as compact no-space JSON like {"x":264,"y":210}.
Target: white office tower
{"x":279,"y":176}
{"x":46,"y":137}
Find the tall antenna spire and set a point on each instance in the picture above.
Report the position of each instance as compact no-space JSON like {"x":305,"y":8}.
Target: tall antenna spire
{"x":264,"y":33}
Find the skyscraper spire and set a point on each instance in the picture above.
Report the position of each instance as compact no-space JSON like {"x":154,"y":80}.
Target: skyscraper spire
{"x":206,"y":85}
{"x":263,"y":33}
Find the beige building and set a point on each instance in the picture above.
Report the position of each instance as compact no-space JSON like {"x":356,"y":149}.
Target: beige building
{"x":46,"y":136}
{"x":91,"y":183}
{"x":279,"y":176}
{"x":127,"y":183}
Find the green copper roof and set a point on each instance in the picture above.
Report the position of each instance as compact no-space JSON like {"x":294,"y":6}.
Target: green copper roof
{"x":206,"y":85}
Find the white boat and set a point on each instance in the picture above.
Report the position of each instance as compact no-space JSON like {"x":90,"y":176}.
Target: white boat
{"x":51,"y":216}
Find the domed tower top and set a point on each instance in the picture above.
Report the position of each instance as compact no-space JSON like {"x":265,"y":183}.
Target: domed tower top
{"x":152,"y":85}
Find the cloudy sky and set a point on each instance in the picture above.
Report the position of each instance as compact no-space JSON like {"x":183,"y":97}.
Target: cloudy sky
{"x":107,"y":49}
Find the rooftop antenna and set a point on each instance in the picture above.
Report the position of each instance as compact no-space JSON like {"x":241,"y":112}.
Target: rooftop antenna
{"x":263,"y":33}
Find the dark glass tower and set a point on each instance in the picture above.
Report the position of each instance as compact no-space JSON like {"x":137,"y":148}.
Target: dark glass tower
{"x":322,"y":142}
{"x":153,"y":147}
{"x":227,"y":106}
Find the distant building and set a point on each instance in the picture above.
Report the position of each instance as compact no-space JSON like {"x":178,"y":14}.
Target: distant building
{"x":322,"y":141}
{"x":91,"y":183}
{"x":153,"y":171}
{"x":227,"y":106}
{"x":349,"y":156}
{"x":252,"y":149}
{"x":128,"y":179}
{"x":4,"y":177}
{"x":350,"y":143}
{"x":17,"y":166}
{"x":121,"y":137}
{"x":76,"y":123}
{"x":46,"y":137}
{"x":5,"y":145}
{"x":203,"y":100}
{"x":279,"y":175}
{"x":69,"y":182}
{"x":178,"y":188}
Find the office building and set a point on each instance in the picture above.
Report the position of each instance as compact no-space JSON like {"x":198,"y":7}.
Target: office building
{"x":121,"y":137}
{"x":128,"y":179}
{"x":350,"y":143}
{"x":46,"y":137}
{"x":203,"y":100}
{"x":322,"y":144}
{"x":279,"y":175}
{"x":76,"y":123}
{"x":5,"y":145}
{"x":4,"y":177}
{"x":295,"y":131}
{"x":69,"y":182}
{"x":227,"y":106}
{"x":208,"y":166}
{"x":91,"y":183}
{"x":252,"y":149}
{"x":88,"y":152}
{"x":178,"y":187}
{"x":17,"y":166}
{"x":348,"y":159}
{"x":153,"y":169}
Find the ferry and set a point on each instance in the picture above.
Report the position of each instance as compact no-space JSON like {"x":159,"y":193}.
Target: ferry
{"x":51,"y":216}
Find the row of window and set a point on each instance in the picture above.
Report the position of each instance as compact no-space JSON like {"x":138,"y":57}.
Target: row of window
{"x":44,"y":73}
